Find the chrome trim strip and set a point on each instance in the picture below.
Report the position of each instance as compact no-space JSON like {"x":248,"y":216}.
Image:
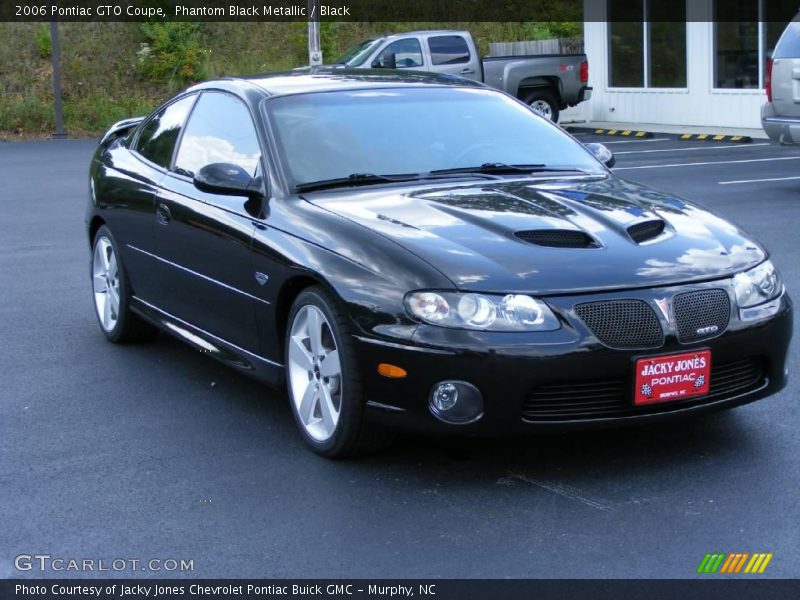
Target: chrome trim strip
{"x":382,"y":406}
{"x":195,"y":273}
{"x":403,"y":346}
{"x":206,"y":333}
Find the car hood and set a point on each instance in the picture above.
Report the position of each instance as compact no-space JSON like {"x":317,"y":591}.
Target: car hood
{"x":472,"y":234}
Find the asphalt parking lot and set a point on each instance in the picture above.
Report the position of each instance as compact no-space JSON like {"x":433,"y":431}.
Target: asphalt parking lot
{"x":155,"y":451}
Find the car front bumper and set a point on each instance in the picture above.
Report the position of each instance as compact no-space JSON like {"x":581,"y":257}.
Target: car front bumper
{"x":565,"y":379}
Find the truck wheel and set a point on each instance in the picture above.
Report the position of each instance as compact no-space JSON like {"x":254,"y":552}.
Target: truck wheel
{"x":544,"y":103}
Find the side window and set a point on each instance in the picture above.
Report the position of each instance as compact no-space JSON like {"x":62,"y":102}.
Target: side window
{"x":402,"y":54}
{"x":220,"y":129}
{"x":448,"y":50}
{"x":157,"y":138}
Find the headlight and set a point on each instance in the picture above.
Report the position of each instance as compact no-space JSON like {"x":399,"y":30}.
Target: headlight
{"x":758,"y":285}
{"x":485,"y":312}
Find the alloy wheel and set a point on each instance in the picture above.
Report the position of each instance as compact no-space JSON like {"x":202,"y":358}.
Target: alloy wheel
{"x":315,"y":373}
{"x":105,"y":282}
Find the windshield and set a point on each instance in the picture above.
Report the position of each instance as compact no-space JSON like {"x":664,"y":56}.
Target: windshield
{"x":415,"y":130}
{"x":358,"y":53}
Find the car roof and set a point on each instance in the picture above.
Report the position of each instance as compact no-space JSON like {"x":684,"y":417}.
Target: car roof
{"x":328,"y":79}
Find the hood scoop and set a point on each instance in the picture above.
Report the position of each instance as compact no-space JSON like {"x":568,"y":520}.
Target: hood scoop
{"x":645,"y":231}
{"x":558,"y":238}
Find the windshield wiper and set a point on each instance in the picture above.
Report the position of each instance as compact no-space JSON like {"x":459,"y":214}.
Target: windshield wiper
{"x":354,"y":179}
{"x":502,"y":168}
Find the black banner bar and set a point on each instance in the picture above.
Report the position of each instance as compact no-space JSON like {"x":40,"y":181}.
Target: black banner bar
{"x":711,"y":588}
{"x":420,"y":11}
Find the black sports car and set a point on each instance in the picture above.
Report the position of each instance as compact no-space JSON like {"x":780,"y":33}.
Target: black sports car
{"x":420,"y":251}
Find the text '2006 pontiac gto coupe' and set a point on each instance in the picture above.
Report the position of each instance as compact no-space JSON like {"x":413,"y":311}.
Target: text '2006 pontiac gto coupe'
{"x":421,"y":251}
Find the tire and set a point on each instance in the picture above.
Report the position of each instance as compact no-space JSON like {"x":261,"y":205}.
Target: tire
{"x":545,"y":103}
{"x":326,"y":397}
{"x":112,"y":295}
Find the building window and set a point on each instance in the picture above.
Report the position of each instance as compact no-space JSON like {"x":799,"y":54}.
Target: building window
{"x":736,"y":42}
{"x":666,"y":44}
{"x":745,"y":33}
{"x":647,"y":43}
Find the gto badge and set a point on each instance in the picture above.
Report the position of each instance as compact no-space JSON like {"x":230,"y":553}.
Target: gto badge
{"x":663,"y":306}
{"x":707,"y":330}
{"x":261,"y":278}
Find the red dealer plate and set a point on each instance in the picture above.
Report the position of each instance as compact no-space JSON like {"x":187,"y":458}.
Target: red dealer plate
{"x":672,"y":377}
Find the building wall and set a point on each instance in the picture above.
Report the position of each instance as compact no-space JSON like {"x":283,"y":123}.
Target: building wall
{"x":698,"y":104}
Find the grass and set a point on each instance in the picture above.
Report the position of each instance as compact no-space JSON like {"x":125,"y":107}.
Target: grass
{"x":103,"y":79}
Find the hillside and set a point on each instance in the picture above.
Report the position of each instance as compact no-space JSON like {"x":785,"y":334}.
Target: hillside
{"x":115,"y":70}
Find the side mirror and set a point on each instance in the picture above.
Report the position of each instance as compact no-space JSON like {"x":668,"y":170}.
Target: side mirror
{"x":227,"y":179}
{"x":602,"y":153}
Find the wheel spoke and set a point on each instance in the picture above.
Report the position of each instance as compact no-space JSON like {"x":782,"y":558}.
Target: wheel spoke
{"x":330,"y":366}
{"x":103,"y":245}
{"x":112,"y":266}
{"x":314,"y":327}
{"x":307,"y":403}
{"x":113,"y":296}
{"x":99,"y":283}
{"x":107,"y":312}
{"x":299,"y":354}
{"x":329,"y":412}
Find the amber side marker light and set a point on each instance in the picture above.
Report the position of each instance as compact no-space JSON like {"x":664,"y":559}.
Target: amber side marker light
{"x":392,"y":371}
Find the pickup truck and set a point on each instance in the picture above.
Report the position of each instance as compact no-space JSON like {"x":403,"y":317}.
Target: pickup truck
{"x":547,"y":83}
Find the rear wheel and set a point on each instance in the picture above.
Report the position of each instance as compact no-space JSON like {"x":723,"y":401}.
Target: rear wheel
{"x":111,"y":293}
{"x":324,"y":380}
{"x":544,"y":103}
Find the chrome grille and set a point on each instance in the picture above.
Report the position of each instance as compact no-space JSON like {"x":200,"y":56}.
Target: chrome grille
{"x":622,"y":323}
{"x":610,"y":398}
{"x":701,"y":315}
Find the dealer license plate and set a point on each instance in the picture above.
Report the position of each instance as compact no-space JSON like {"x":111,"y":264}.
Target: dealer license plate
{"x":672,"y":377}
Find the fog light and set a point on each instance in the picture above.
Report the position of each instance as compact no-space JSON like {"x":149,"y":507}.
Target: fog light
{"x":456,"y":402}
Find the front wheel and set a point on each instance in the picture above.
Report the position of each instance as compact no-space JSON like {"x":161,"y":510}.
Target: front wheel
{"x":544,"y":103}
{"x":324,"y":380}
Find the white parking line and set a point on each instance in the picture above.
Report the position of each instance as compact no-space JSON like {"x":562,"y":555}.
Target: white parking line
{"x":693,"y":148}
{"x":757,"y":180}
{"x":702,"y":164}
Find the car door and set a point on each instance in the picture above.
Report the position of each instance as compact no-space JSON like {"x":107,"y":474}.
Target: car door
{"x":141,"y":168}
{"x":450,"y":55}
{"x":204,"y":238}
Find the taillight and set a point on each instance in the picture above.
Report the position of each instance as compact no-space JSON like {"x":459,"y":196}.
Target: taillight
{"x":768,"y":80}
{"x":585,"y":71}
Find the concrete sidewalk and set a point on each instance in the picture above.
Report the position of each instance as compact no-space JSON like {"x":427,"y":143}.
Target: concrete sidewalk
{"x":669,"y":129}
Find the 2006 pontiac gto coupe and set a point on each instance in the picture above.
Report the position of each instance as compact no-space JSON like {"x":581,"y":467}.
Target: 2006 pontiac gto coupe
{"x":421,"y":251}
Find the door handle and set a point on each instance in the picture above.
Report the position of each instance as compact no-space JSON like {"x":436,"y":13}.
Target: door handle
{"x":163,"y":214}
{"x":466,"y":71}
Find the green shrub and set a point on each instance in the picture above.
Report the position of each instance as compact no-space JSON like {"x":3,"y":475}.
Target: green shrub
{"x":26,"y":114}
{"x":172,"y":51}
{"x":43,"y":41}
